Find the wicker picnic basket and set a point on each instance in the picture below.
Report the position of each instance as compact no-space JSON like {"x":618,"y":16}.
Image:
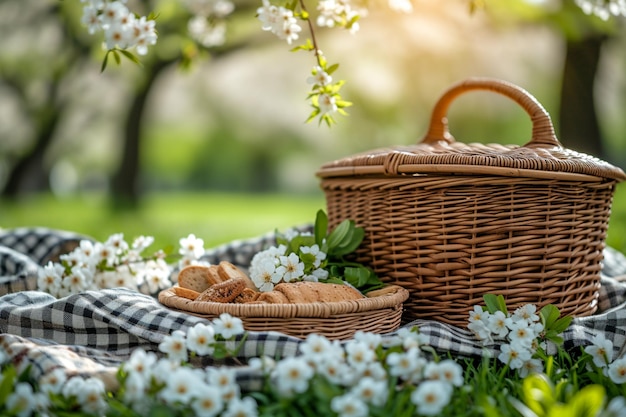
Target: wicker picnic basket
{"x":451,"y":222}
{"x":337,"y":320}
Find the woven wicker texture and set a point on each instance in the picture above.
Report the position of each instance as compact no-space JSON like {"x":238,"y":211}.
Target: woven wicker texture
{"x":451,"y":222}
{"x":338,"y":320}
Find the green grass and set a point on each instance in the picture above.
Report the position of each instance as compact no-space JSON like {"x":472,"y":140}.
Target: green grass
{"x":617,"y":224}
{"x":215,"y":217}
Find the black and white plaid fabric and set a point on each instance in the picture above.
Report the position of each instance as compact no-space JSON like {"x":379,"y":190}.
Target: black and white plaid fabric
{"x":93,"y":332}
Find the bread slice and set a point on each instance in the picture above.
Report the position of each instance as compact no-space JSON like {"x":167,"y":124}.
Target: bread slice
{"x":213,"y":276}
{"x":227,"y":270}
{"x":194,"y":277}
{"x":186,"y":293}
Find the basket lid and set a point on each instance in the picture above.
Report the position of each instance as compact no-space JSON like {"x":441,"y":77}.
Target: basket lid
{"x":542,"y":157}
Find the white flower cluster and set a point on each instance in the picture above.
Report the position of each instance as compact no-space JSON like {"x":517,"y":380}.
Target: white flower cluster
{"x":601,"y":350}
{"x":87,"y":393}
{"x":208,"y":393}
{"x":114,"y":263}
{"x":208,"y":25}
{"x":280,"y":21}
{"x":334,"y":13}
{"x":122,"y":29}
{"x":274,"y":265}
{"x":521,"y":330}
{"x":604,"y":9}
{"x":364,"y":374}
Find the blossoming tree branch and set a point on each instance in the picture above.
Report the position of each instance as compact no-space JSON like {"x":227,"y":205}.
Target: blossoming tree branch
{"x":126,"y":34}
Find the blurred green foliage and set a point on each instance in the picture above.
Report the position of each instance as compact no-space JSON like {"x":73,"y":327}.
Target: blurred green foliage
{"x":215,"y":217}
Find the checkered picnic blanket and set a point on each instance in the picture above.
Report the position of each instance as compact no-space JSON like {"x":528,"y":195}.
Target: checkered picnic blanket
{"x":92,"y":333}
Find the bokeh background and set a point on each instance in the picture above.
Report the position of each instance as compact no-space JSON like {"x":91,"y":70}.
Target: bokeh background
{"x":213,"y":140}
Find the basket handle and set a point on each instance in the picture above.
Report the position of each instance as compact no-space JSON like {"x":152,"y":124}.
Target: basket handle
{"x":542,"y":129}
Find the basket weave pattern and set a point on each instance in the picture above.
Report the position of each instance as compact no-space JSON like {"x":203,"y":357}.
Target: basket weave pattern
{"x":451,"y":222}
{"x":534,"y":241}
{"x":337,"y":320}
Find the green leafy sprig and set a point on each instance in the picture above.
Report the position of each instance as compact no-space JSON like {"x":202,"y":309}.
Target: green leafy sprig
{"x":337,"y":243}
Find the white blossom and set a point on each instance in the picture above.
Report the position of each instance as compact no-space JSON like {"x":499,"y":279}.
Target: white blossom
{"x":601,"y":350}
{"x":371,"y":391}
{"x":228,"y":326}
{"x":327,"y":103}
{"x":431,"y":397}
{"x":175,"y":346}
{"x":140,"y":363}
{"x":497,"y":324}
{"x":292,"y":375}
{"x":52,"y":382}
{"x":447,"y":371}
{"x":209,"y":403}
{"x":514,"y":354}
{"x":531,"y":366}
{"x":191,"y":246}
{"x":241,"y":407}
{"x":180,"y":386}
{"x":21,"y":400}
{"x":200,"y":339}
{"x":617,"y":371}
{"x":294,"y":268}
{"x":349,"y":405}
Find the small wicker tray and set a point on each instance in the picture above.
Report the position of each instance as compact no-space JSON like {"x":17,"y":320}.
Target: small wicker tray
{"x":339,"y":320}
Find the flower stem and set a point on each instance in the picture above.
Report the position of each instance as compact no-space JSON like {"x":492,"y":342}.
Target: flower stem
{"x":316,"y":50}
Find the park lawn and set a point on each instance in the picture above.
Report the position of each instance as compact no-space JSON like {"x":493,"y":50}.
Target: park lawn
{"x":215,"y":217}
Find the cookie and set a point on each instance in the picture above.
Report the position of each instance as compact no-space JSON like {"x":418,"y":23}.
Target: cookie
{"x":247,"y":296}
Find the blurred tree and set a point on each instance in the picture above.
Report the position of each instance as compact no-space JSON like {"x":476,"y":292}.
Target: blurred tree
{"x":19,"y":72}
{"x":585,"y":38}
{"x":179,"y":44}
{"x":36,"y":87}
{"x":584,"y":35}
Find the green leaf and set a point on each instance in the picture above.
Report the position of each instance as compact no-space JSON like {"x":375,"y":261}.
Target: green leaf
{"x":313,"y":115}
{"x":161,"y":410}
{"x":495,"y":303}
{"x":355,"y":238}
{"x":131,"y":57}
{"x":538,"y":393}
{"x":105,"y":61}
{"x":561,"y":324}
{"x":356,"y":276}
{"x":549,"y":315}
{"x":332,"y":69}
{"x":321,"y":227}
{"x":307,"y":46}
{"x":116,"y":56}
{"x":338,"y":234}
{"x":8,"y":380}
{"x":298,"y":241}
